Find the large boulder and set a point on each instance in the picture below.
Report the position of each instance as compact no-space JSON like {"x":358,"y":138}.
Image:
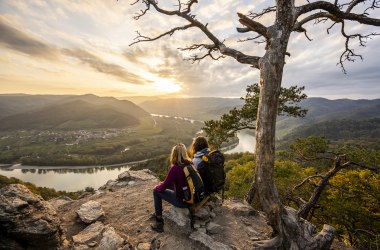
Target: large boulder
{"x":27,"y":221}
{"x":91,"y":233}
{"x":111,"y":240}
{"x":240,"y":209}
{"x":178,"y":221}
{"x":90,"y":211}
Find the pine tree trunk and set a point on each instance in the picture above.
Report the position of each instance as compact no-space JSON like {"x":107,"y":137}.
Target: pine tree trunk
{"x":291,"y":231}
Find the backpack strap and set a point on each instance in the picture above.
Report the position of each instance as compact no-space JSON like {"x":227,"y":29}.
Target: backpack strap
{"x":223,"y":194}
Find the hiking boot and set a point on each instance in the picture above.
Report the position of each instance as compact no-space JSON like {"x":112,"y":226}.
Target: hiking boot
{"x":158,"y":226}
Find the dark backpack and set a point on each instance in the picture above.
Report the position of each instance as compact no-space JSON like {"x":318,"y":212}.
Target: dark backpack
{"x":211,"y":169}
{"x":194,"y":191}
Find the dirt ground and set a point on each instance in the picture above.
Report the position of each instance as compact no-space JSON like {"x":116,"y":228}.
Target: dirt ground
{"x":129,"y":210}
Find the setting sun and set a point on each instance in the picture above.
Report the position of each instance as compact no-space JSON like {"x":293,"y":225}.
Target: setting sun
{"x":166,"y":86}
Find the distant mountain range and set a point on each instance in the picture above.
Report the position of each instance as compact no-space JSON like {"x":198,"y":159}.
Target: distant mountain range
{"x":321,"y":110}
{"x":67,"y":112}
{"x":202,"y":108}
{"x":335,"y":118}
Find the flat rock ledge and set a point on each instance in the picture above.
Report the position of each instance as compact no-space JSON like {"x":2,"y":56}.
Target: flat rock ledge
{"x":98,"y":235}
{"x":90,"y":212}
{"x":207,"y":242}
{"x":129,"y":178}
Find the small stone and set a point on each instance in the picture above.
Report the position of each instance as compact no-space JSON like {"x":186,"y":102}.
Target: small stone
{"x":252,"y":231}
{"x":203,"y":213}
{"x":213,"y":215}
{"x":90,"y":211}
{"x":214,"y":228}
{"x":122,"y":184}
{"x":254,"y":239}
{"x":92,"y":244}
{"x":143,"y":246}
{"x":80,"y":247}
{"x":125,"y":176}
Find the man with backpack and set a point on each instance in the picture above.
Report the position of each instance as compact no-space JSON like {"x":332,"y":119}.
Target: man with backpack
{"x":210,"y":165}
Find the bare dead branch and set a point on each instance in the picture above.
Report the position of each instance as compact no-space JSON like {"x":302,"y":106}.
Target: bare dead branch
{"x":137,"y":16}
{"x":336,"y":12}
{"x":340,"y":163}
{"x":221,"y":47}
{"x":329,"y":28}
{"x":296,"y":199}
{"x":243,"y":30}
{"x":375,"y":5}
{"x":305,"y":180}
{"x":253,"y":25}
{"x":262,"y":13}
{"x":251,"y":39}
{"x":353,"y":4}
{"x":316,"y":16}
{"x":189,"y":5}
{"x":141,"y":38}
{"x":349,"y":54}
{"x":374,"y":169}
{"x":209,"y":47}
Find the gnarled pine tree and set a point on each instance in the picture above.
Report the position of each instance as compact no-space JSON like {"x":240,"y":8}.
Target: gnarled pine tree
{"x":219,"y":131}
{"x":291,"y":231}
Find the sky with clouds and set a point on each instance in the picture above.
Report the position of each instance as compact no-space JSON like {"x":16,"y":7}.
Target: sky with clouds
{"x":79,"y":47}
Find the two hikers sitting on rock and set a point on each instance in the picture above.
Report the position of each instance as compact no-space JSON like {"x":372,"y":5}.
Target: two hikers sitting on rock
{"x":176,"y":190}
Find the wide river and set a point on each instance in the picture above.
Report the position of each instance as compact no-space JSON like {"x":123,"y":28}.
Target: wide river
{"x":77,"y":178}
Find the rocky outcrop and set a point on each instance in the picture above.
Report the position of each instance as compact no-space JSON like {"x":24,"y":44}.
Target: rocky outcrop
{"x":119,"y":217}
{"x":90,"y":212}
{"x":129,"y":178}
{"x":60,"y":201}
{"x":27,"y":221}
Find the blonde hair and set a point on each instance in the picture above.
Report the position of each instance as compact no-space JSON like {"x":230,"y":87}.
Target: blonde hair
{"x":179,"y":155}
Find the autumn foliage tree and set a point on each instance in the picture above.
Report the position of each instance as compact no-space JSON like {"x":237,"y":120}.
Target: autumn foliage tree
{"x":291,"y":232}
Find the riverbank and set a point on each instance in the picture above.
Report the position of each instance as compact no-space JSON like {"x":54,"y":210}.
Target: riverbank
{"x":19,"y":166}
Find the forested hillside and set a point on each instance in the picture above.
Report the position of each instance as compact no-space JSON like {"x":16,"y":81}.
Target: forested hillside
{"x":333,"y":112}
{"x":68,"y":112}
{"x":364,"y":132}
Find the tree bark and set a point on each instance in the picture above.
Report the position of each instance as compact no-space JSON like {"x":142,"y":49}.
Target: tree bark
{"x":291,"y":231}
